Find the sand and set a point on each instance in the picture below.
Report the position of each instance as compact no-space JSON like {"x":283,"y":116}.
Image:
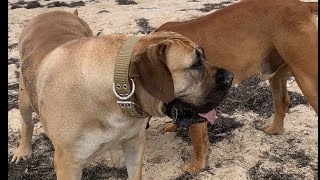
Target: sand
{"x":239,"y":150}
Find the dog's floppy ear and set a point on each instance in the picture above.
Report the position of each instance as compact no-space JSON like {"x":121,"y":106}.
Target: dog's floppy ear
{"x":149,"y":66}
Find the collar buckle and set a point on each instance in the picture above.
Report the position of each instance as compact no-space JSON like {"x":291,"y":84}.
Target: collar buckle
{"x":125,"y":86}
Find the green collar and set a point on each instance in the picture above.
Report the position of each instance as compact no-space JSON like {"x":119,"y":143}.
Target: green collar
{"x":123,"y":87}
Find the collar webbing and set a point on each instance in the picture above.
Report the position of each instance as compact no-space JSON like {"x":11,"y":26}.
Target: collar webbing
{"x":123,"y":87}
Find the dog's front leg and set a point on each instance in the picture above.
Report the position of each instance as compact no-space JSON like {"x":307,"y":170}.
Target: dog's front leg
{"x":200,"y":143}
{"x":133,"y":150}
{"x":67,"y":168}
{"x":281,"y":101}
{"x":24,"y":150}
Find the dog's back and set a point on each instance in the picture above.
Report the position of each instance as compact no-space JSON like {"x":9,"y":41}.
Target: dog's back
{"x":49,"y":30}
{"x":41,"y":36}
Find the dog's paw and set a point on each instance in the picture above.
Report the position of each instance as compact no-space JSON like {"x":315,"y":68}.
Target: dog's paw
{"x":271,"y":129}
{"x":21,"y":153}
{"x":169,"y":127}
{"x":194,"y":168}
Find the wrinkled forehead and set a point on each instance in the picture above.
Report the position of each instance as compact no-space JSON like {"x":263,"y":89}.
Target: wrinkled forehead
{"x":184,"y":42}
{"x":176,"y":39}
{"x":181,"y":54}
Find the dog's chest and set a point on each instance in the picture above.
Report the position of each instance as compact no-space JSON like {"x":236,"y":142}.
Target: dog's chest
{"x":119,"y":127}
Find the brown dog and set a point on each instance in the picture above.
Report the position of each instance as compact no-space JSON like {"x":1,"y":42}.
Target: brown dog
{"x":69,"y":85}
{"x":269,"y":37}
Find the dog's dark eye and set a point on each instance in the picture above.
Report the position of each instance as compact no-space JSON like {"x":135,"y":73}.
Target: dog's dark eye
{"x":198,"y":62}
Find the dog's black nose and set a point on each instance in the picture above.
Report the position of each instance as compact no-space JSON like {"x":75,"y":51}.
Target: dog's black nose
{"x":224,"y":77}
{"x":228,"y":78}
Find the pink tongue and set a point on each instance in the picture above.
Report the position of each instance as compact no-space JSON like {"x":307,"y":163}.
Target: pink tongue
{"x":211,"y":116}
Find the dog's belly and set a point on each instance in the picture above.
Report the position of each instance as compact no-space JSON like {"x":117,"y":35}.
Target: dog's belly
{"x":241,"y":66}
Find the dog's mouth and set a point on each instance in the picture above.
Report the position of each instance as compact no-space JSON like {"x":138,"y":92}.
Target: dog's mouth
{"x":183,"y":114}
{"x":211,"y":116}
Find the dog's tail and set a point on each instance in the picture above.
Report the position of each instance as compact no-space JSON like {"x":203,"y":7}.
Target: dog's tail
{"x":313,"y":6}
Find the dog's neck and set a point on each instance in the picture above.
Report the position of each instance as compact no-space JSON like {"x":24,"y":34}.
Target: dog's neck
{"x":148,"y":103}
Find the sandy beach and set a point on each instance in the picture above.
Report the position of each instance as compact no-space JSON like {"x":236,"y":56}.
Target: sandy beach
{"x":239,"y":150}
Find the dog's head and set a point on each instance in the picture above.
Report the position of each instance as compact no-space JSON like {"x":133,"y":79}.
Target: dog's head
{"x":174,"y":71}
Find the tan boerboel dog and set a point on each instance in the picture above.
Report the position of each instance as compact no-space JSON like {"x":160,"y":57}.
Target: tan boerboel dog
{"x":67,"y":77}
{"x":268,"y":37}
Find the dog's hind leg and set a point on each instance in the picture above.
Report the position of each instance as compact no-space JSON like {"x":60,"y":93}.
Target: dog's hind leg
{"x":308,"y":83}
{"x":307,"y":75}
{"x":309,"y":87}
{"x":24,"y":150}
{"x":299,"y":49}
{"x":278,"y":83}
{"x":133,"y":150}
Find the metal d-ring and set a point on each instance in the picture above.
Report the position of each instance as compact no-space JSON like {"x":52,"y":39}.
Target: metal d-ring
{"x":125,"y":97}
